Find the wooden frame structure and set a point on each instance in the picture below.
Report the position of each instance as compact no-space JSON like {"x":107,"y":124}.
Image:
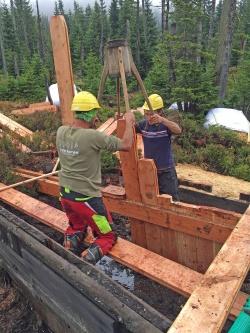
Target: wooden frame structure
{"x":197,"y":251}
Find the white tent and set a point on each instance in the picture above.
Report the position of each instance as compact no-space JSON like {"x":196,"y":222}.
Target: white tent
{"x":53,"y":89}
{"x":229,"y":118}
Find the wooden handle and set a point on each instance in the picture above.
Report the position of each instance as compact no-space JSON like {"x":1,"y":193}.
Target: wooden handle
{"x":123,"y":79}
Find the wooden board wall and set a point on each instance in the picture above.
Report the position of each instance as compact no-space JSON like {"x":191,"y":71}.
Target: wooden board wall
{"x":183,"y":233}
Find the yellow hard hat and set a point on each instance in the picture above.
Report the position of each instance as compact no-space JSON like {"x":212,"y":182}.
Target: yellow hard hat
{"x":156,"y":102}
{"x":84,"y":101}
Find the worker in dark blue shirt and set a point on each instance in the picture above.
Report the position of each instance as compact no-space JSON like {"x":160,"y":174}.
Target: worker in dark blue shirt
{"x":156,"y":131}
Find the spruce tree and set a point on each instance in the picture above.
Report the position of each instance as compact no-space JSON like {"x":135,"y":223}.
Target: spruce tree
{"x":114,"y":19}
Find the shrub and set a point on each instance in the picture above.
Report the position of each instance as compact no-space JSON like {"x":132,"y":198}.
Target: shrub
{"x":216,"y":149}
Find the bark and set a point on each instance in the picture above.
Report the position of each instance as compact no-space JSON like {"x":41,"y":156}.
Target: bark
{"x":225,"y":45}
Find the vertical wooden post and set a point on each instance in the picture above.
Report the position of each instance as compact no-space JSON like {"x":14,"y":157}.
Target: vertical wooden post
{"x":129,"y":163}
{"x":63,"y":66}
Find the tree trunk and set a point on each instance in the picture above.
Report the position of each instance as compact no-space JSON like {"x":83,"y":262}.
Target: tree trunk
{"x":163,"y":16}
{"x":128,"y":31}
{"x":2,"y":50}
{"x":211,"y":21}
{"x":138,"y":60}
{"x":41,"y":44}
{"x":144,"y":24}
{"x":16,"y":58}
{"x":224,"y":45}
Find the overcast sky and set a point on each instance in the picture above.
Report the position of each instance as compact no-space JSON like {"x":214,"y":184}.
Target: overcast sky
{"x":47,"y":6}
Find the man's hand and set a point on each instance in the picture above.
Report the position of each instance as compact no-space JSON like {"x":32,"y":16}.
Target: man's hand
{"x":155,"y":119}
{"x":130,"y":118}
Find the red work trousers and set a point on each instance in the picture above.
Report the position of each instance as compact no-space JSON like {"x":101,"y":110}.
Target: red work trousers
{"x":90,"y":213}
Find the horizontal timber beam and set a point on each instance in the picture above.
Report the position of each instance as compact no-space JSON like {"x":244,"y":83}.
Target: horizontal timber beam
{"x":35,"y":109}
{"x":193,"y":220}
{"x":14,"y":127}
{"x":162,"y":270}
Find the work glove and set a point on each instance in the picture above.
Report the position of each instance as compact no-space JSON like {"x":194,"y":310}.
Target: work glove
{"x":93,"y":254}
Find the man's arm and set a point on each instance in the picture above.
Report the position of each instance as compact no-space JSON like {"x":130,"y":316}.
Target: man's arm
{"x":172,"y":126}
{"x":127,"y":139}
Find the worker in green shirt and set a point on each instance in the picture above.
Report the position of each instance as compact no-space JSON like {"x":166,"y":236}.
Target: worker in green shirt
{"x":79,"y":147}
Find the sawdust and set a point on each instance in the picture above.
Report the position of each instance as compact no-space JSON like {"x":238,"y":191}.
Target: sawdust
{"x":224,"y":186}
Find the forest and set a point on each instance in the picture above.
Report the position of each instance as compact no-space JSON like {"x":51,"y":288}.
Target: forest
{"x":196,"y":53}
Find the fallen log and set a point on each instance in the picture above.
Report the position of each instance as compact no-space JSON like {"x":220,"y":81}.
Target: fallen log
{"x":35,"y":109}
{"x":14,"y":127}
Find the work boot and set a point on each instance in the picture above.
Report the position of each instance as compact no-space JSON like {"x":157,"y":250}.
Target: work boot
{"x":74,"y":242}
{"x":93,"y":254}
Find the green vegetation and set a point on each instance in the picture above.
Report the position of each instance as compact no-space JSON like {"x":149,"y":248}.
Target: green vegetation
{"x":182,"y":58}
{"x":215,"y":149}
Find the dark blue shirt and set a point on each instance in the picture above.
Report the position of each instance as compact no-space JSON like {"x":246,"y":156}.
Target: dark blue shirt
{"x":157,"y":143}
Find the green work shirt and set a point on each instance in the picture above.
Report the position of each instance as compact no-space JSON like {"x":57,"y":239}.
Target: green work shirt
{"x":79,"y":151}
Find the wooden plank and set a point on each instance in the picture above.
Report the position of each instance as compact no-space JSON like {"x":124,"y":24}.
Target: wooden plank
{"x":14,"y":127}
{"x":198,"y":185}
{"x":186,"y":250}
{"x":36,"y":109}
{"x":17,"y":144}
{"x":209,"y":305}
{"x":112,"y":128}
{"x":205,"y":199}
{"x":34,"y":105}
{"x":245,"y":196}
{"x":138,"y":235}
{"x":105,"y":125}
{"x":153,"y":237}
{"x":169,"y":244}
{"x":160,"y":269}
{"x":35,"y":208}
{"x":27,"y":172}
{"x":140,"y":146}
{"x":129,"y":163}
{"x":205,"y":254}
{"x":199,"y":227}
{"x":45,"y":186}
{"x":148,"y":180}
{"x":63,"y":66}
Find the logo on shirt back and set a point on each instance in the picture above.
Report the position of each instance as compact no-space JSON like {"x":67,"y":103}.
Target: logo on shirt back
{"x":69,"y":148}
